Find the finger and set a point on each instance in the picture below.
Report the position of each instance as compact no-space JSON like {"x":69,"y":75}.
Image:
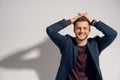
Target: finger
{"x":86,"y":13}
{"x":79,"y":14}
{"x":82,"y":14}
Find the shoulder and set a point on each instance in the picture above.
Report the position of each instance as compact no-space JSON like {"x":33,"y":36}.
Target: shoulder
{"x":94,"y":39}
{"x":71,"y":39}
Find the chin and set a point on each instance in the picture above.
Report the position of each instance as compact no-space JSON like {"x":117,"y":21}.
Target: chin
{"x":82,"y":38}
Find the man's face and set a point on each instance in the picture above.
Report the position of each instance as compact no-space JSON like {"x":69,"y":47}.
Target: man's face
{"x":81,"y":30}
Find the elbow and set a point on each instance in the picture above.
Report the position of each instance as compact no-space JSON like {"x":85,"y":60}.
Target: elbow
{"x":115,"y":34}
{"x":47,"y":30}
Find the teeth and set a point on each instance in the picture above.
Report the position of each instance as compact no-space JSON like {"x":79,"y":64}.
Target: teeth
{"x":81,"y":35}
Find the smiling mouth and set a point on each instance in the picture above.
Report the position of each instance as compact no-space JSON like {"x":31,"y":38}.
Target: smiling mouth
{"x":81,"y":34}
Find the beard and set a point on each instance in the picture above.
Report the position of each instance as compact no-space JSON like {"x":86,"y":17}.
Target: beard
{"x":83,"y":38}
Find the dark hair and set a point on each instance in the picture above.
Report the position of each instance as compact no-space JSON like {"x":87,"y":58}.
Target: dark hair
{"x":81,"y":19}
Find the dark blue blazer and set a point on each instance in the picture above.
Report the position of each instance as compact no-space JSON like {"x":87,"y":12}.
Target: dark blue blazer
{"x":69,"y":49}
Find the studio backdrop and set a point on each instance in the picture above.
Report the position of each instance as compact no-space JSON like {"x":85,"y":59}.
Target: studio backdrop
{"x":26,"y":52}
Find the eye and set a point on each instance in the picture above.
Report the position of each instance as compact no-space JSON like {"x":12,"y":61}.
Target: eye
{"x":77,"y":28}
{"x":85,"y":28}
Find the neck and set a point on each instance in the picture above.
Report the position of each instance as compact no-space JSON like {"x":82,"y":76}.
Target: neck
{"x":81,"y":42}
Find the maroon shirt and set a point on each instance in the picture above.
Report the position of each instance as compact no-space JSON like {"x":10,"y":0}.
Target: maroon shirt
{"x":78,"y":71}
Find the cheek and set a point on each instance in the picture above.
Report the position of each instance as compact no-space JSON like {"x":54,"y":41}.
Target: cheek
{"x":76,"y":31}
{"x":88,"y":31}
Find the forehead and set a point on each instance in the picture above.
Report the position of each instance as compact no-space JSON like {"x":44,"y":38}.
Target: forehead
{"x":82,"y":24}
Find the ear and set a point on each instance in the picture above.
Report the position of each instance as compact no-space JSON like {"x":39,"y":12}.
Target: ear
{"x":90,"y":29}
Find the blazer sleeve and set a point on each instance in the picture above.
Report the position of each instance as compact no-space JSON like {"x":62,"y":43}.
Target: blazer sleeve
{"x":109,"y":35}
{"x":55,"y":36}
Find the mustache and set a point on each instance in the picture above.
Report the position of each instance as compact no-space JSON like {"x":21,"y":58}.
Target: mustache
{"x":81,"y":33}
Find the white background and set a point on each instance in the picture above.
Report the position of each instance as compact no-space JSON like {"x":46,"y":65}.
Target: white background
{"x":26,"y":52}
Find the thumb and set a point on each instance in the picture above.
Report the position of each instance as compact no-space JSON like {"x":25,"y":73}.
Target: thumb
{"x":85,"y":14}
{"x":79,"y":14}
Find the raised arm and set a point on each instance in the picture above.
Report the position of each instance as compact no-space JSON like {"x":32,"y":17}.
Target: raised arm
{"x":109,"y":33}
{"x":53,"y":31}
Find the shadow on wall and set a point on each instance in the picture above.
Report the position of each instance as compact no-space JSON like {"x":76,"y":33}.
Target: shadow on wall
{"x":44,"y":65}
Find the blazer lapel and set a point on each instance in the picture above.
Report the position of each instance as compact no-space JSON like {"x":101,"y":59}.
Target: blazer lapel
{"x":92,"y":52}
{"x":75,"y":52}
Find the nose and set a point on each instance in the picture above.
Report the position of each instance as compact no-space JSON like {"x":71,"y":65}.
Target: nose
{"x":81,"y":30}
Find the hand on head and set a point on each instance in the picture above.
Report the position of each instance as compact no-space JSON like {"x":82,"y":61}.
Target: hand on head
{"x":85,"y":15}
{"x":79,"y":15}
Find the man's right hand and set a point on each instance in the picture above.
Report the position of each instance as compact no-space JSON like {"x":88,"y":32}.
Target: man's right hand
{"x":78,"y":16}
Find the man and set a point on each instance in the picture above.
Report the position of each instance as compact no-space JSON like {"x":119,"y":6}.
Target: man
{"x":80,"y":54}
